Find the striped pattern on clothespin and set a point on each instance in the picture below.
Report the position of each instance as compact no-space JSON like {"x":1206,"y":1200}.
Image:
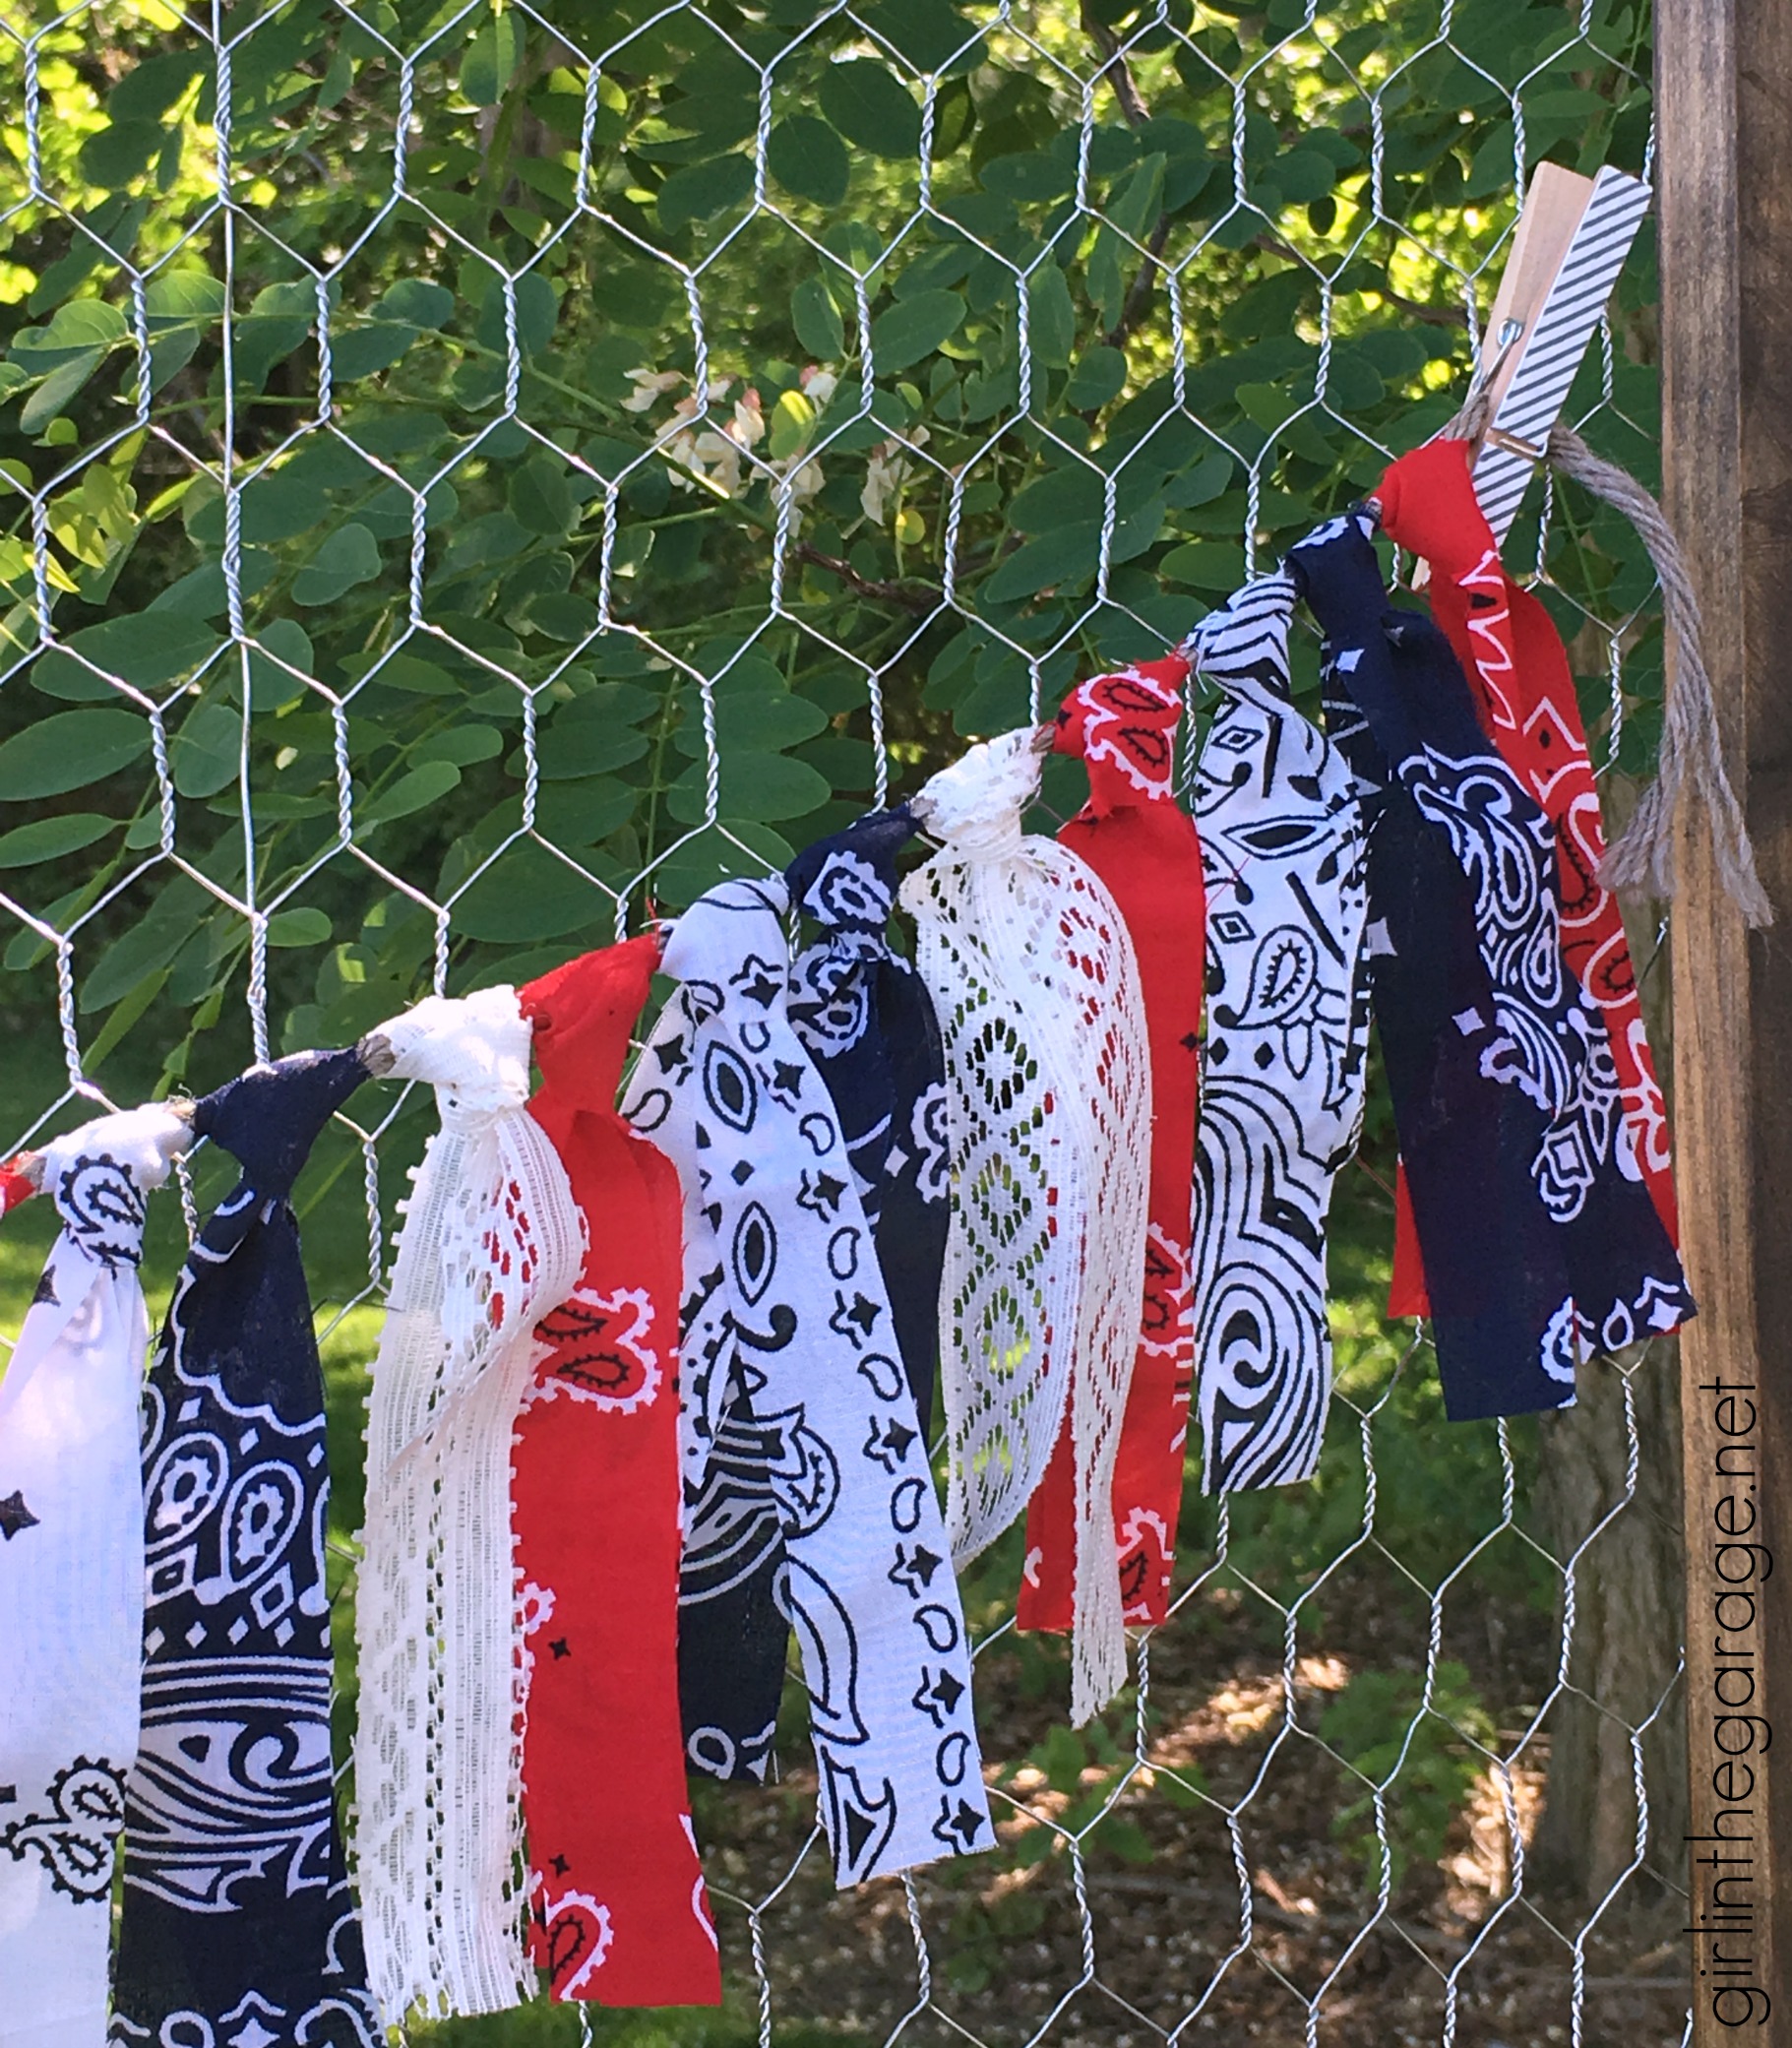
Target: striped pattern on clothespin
{"x":1571,"y":241}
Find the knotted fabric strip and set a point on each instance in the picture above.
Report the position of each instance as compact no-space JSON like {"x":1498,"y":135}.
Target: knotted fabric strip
{"x":868,"y":1023}
{"x":1036,"y":987}
{"x":492,"y":1242}
{"x":1537,"y":1249}
{"x":1288,"y":1046}
{"x":1142,"y":844}
{"x":616,"y":1892}
{"x":238,"y":1923}
{"x":802,"y":1452}
{"x":71,"y":1576}
{"x":1508,"y":648}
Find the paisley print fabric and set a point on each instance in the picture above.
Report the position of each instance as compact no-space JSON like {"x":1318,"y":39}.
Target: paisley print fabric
{"x":802,"y":1455}
{"x":1508,"y":646}
{"x":1287,"y":1047}
{"x":1537,"y":1249}
{"x":71,"y":1579}
{"x":617,"y":1905}
{"x":238,"y":1925}
{"x":868,"y":1023}
{"x":1143,"y":845}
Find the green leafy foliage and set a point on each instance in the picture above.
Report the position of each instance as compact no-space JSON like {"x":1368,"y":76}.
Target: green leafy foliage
{"x":514,"y":530}
{"x":1423,"y":1755}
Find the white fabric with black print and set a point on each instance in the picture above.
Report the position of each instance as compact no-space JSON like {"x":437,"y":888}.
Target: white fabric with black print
{"x":1286,"y":1050}
{"x":71,"y":1580}
{"x":788,"y":1331}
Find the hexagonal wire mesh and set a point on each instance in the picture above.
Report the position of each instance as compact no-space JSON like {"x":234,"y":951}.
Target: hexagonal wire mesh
{"x":491,"y":299}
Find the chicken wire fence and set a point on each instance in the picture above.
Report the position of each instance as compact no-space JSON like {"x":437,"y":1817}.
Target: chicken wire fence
{"x":476,"y":474}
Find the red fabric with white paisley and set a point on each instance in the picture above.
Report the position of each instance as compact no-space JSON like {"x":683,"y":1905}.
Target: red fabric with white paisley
{"x":618,"y":1912}
{"x":1143,"y":845}
{"x":1516,"y":664}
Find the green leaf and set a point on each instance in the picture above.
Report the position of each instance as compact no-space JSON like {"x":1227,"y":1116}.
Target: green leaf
{"x":1068,"y":496}
{"x":204,"y":753}
{"x":870,"y":107}
{"x":1065,"y":555}
{"x":1205,"y":565}
{"x":69,"y":750}
{"x":701,"y":191}
{"x":582,"y":745}
{"x":538,"y":314}
{"x":146,"y":946}
{"x":148,"y":648}
{"x":914,"y":328}
{"x":1099,"y":377}
{"x":792,"y":418}
{"x":540,"y":496}
{"x":375,"y":345}
{"x":491,"y":60}
{"x":759,"y":721}
{"x":527,"y":894}
{"x":763,"y":787}
{"x":808,"y":158}
{"x":1051,"y":316}
{"x":415,"y":790}
{"x":57,"y":388}
{"x":119,"y":152}
{"x":418,"y":303}
{"x":817,"y":321}
{"x":298,"y":927}
{"x":270,"y":685}
{"x":50,"y":839}
{"x":349,"y":556}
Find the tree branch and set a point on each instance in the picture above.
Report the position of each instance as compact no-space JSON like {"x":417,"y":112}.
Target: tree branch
{"x":916,"y":598}
{"x":1115,"y":69}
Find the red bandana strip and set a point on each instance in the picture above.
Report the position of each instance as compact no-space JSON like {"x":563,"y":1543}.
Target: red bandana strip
{"x":1143,"y":845}
{"x":618,"y":1913}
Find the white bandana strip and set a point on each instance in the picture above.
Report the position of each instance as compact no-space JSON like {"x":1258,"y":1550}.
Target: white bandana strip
{"x":793,"y":1328}
{"x":1049,"y":1077}
{"x":492,"y":1241}
{"x":1287,"y":1047}
{"x":71,"y":1580}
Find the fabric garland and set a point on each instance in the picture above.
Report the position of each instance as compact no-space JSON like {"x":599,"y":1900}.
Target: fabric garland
{"x":803,"y":1458}
{"x":1536,"y":1248}
{"x":71,"y":1576}
{"x":16,"y":1186}
{"x":1036,"y":987}
{"x":238,"y":1925}
{"x":1288,"y":1046}
{"x":1507,"y":646}
{"x":1135,"y":835}
{"x":868,"y":1023}
{"x":492,"y":1242}
{"x":616,"y":1892}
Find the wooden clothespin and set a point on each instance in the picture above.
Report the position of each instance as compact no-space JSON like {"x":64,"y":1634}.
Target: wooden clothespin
{"x":1572,"y":237}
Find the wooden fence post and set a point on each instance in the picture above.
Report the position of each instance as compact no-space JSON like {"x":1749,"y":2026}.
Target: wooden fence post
{"x":1724,"y":119}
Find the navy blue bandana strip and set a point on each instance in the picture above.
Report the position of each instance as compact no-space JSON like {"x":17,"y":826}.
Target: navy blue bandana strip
{"x":1538,"y":1249}
{"x":868,"y":1023}
{"x":238,"y":1924}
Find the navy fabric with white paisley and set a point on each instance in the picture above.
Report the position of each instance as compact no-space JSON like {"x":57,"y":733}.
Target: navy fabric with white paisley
{"x":238,"y":1925}
{"x":1541,"y":1245}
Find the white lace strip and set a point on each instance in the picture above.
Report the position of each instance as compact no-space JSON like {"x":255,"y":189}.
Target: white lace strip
{"x":492,"y":1241}
{"x":71,"y":1576}
{"x":1034,"y":979}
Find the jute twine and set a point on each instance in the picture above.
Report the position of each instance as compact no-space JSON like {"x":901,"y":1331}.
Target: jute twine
{"x":1691,"y":752}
